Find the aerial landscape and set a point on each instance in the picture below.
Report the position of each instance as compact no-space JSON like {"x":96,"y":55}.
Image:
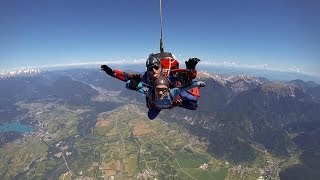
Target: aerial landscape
{"x":94,"y":131}
{"x":230,"y":92}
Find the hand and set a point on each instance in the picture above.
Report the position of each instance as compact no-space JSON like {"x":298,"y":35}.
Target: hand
{"x":107,"y":69}
{"x":191,"y":63}
{"x":134,"y":82}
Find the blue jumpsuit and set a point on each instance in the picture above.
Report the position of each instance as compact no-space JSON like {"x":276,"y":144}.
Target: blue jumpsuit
{"x":188,"y":101}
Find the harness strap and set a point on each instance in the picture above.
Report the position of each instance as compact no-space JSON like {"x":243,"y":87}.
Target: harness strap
{"x":174,"y":103}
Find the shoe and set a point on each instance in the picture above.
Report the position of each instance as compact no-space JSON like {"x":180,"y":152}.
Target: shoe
{"x":201,"y":84}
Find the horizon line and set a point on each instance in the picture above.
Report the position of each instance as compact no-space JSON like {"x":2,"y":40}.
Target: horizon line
{"x":142,"y":61}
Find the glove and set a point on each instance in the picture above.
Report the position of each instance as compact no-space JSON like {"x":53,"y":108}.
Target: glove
{"x":134,"y":82}
{"x":107,"y":69}
{"x":191,"y":63}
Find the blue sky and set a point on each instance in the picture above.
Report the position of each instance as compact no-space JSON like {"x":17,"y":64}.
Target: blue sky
{"x":276,"y":34}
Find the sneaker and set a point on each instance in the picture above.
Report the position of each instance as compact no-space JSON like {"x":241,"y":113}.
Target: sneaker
{"x":201,"y":84}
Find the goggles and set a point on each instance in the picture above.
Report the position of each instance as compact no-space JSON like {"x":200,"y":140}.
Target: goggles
{"x":164,"y":89}
{"x":153,"y":67}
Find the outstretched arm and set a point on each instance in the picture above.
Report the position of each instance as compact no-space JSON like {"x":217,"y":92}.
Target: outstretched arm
{"x":192,"y":85}
{"x":184,"y":77}
{"x":118,"y":74}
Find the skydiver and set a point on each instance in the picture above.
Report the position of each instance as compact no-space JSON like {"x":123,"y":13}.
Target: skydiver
{"x":169,"y":67}
{"x":161,"y":96}
{"x":156,"y":64}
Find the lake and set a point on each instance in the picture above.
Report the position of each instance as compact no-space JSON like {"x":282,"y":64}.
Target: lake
{"x":15,"y":126}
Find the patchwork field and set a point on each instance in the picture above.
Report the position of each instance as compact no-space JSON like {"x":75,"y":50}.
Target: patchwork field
{"x":119,"y":144}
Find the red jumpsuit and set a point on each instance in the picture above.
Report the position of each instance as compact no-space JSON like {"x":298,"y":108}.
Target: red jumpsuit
{"x":170,"y":66}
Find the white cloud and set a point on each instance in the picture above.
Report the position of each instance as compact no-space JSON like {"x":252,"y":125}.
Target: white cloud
{"x":224,"y":63}
{"x":296,"y":69}
{"x":123,"y":61}
{"x":291,"y":68}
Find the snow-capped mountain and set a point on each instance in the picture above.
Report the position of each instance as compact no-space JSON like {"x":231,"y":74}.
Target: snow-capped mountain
{"x":241,"y":83}
{"x":21,"y":72}
{"x":217,"y":78}
{"x":232,"y":79}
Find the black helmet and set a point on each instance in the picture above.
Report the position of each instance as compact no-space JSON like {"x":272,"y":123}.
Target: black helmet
{"x":162,"y":80}
{"x":153,"y":60}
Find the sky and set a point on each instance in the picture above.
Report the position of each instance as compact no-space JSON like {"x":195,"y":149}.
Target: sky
{"x":271,"y":34}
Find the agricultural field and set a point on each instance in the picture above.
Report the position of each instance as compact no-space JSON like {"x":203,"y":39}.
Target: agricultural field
{"x":119,"y":144}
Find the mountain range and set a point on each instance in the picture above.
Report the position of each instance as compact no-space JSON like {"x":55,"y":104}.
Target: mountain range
{"x":242,"y":118}
{"x":238,"y":114}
